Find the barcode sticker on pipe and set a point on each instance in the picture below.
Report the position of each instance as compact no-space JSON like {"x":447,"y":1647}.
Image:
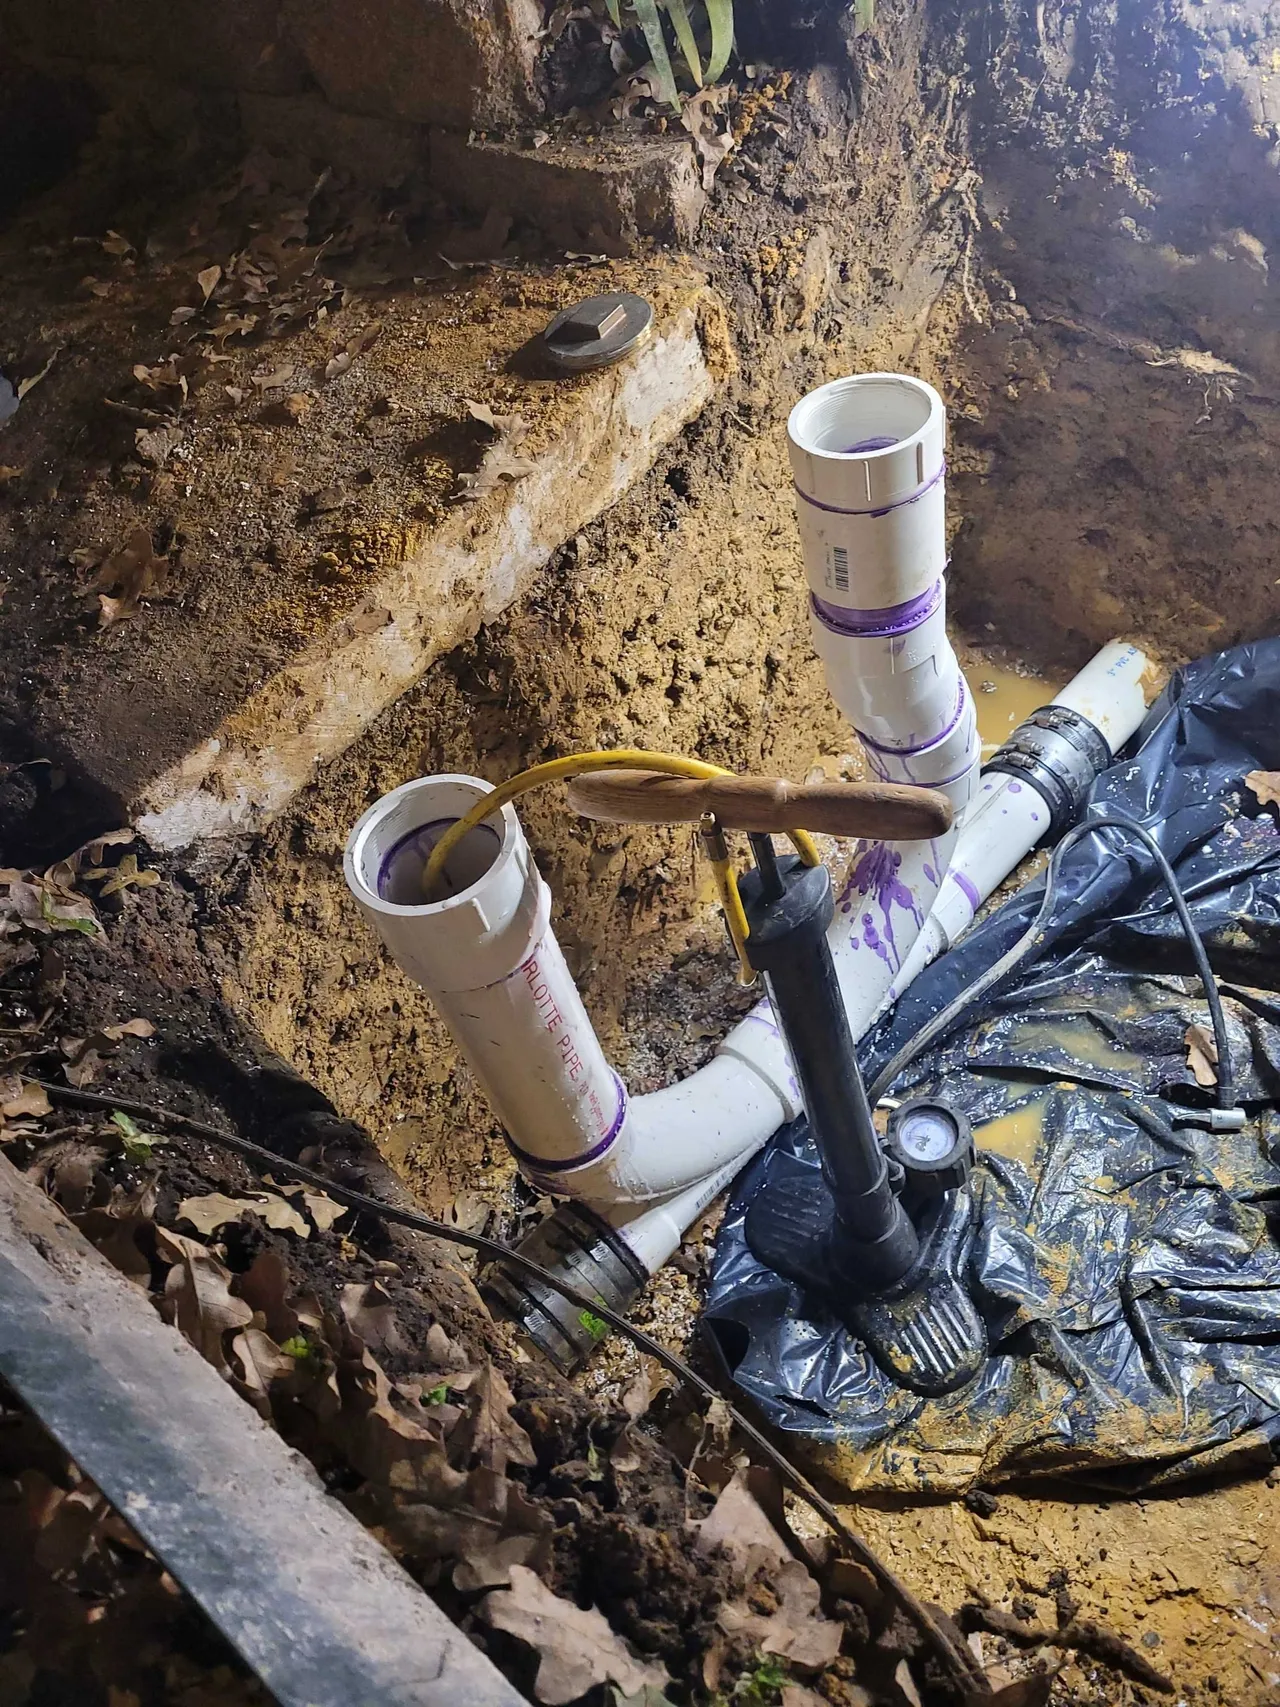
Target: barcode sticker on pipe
{"x":840,"y":567}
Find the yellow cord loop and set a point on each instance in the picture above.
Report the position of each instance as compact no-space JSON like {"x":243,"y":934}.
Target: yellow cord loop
{"x":621,"y":758}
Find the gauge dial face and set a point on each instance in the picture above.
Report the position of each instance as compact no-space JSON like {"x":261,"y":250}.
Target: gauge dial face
{"x":927,"y":1135}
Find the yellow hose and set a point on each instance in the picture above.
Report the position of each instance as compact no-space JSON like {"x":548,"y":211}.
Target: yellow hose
{"x":619,"y":758}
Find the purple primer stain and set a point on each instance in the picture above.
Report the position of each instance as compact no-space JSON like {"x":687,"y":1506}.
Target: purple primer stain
{"x":864,"y":445}
{"x":930,"y":874}
{"x":1035,"y":817}
{"x":875,"y":875}
{"x":873,"y":939}
{"x":1015,"y":788}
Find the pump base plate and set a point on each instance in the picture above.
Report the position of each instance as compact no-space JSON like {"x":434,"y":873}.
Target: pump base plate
{"x":925,"y":1332}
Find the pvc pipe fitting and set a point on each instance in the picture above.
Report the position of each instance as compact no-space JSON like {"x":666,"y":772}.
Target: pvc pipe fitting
{"x":867,"y":457}
{"x":1010,"y":816}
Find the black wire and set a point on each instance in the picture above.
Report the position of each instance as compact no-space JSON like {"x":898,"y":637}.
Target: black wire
{"x":1032,"y":942}
{"x":955,"y":1657}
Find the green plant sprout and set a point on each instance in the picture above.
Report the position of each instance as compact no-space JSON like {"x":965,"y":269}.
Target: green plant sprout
{"x":649,"y":15}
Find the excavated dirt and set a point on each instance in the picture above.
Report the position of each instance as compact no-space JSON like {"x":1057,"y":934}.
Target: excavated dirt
{"x":268,"y":384}
{"x":1091,"y":292}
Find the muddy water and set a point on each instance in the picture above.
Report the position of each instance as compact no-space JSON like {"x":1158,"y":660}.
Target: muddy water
{"x":1006,"y":695}
{"x":1014,"y":1135}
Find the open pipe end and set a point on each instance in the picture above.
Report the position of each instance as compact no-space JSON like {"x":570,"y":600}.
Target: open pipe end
{"x":866,"y":417}
{"x":494,"y":903}
{"x":388,"y":850}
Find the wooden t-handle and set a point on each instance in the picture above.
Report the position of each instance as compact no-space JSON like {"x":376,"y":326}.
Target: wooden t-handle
{"x":882,"y":811}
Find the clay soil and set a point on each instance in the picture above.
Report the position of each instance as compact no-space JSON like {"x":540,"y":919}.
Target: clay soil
{"x":1093,"y":298}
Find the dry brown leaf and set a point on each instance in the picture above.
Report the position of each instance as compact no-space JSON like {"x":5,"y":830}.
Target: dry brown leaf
{"x":577,"y":1650}
{"x":208,"y":280}
{"x":20,"y":1097}
{"x":907,"y":1685}
{"x":638,"y":1396}
{"x":9,"y":472}
{"x":115,"y":244}
{"x":370,"y":621}
{"x":1265,"y":786}
{"x":487,"y":1567}
{"x":67,"y":1169}
{"x":1202,"y":1054}
{"x":1031,"y":1691}
{"x":207,"y":1214}
{"x":502,"y":464}
{"x":31,"y":380}
{"x":797,"y":1632}
{"x":796,"y":1695}
{"x":369,"y":1312}
{"x":319,"y":1206}
{"x":700,"y":116}
{"x":130,"y":574}
{"x":470,"y":1212}
{"x":112,"y":1230}
{"x":197,"y":1296}
{"x":265,"y":1289}
{"x":739,"y":1523}
{"x":276,"y":379}
{"x":262,"y":1363}
{"x":489,"y":1433}
{"x":130,"y":1028}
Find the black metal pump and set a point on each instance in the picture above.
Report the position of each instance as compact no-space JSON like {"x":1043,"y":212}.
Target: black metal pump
{"x":864,"y":1234}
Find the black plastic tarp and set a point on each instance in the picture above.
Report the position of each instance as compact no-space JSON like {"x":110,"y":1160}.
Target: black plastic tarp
{"x":1128,"y":1268}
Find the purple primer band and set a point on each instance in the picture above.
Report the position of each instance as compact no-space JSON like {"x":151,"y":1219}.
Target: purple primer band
{"x":883,"y":624}
{"x":967,"y":889}
{"x":884,"y":509}
{"x":921,"y":746}
{"x":539,"y":1165}
{"x":864,"y":445}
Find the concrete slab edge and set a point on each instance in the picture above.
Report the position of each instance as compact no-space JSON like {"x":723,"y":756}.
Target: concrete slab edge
{"x":466,"y":574}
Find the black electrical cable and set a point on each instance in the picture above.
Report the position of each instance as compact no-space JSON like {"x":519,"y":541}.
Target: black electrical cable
{"x":955,"y":1657}
{"x":1033,"y":940}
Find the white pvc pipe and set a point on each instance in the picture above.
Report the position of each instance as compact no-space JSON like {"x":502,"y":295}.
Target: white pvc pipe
{"x":494,"y":969}
{"x":491,"y":961}
{"x":1010,"y":817}
{"x":868,"y":460}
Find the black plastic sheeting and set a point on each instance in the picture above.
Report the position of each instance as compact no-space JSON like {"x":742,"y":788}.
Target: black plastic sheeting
{"x":1128,"y":1270}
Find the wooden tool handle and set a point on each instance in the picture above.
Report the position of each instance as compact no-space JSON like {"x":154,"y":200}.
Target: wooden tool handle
{"x":882,"y":811}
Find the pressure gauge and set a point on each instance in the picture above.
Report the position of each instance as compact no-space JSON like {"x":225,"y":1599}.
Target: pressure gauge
{"x":932,"y":1143}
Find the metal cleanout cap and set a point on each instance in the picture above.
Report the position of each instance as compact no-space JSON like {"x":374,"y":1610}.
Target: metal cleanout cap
{"x":598,"y":332}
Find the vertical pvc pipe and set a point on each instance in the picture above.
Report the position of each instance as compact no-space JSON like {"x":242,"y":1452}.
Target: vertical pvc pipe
{"x":868,"y":460}
{"x":494,"y":969}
